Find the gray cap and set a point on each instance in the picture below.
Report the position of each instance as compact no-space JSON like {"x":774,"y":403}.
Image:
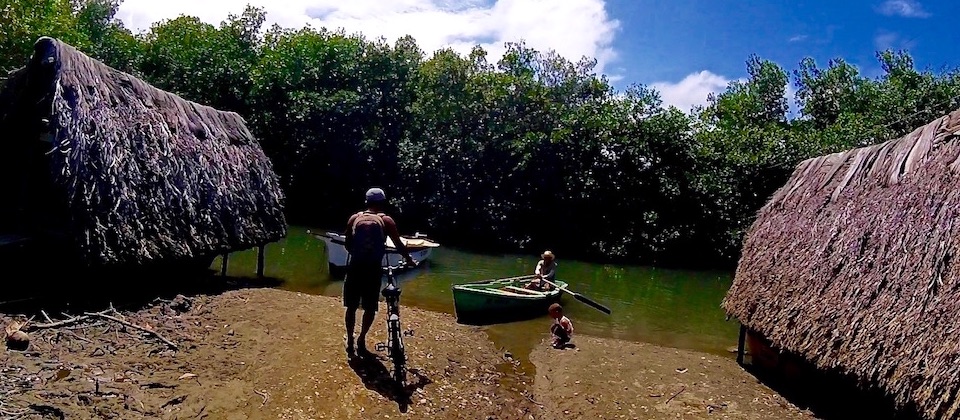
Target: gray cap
{"x":376,"y":194}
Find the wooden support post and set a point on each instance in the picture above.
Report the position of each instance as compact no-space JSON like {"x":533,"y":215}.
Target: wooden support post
{"x":740,"y":344}
{"x":223,"y":263}
{"x":260,"y":261}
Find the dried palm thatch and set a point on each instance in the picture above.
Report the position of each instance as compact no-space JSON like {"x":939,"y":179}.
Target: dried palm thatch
{"x":853,"y":264}
{"x":131,"y":174}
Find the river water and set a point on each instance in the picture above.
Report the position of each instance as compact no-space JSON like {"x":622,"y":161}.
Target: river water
{"x":672,"y":308}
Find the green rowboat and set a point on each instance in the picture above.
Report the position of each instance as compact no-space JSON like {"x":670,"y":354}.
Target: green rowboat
{"x":502,"y":300}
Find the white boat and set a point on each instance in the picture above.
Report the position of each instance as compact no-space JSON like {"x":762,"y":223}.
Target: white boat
{"x":418,"y":245}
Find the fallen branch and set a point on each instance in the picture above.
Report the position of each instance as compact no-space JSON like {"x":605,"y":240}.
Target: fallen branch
{"x":675,"y":394}
{"x":69,"y":321}
{"x":73,"y":320}
{"x":134,"y":326}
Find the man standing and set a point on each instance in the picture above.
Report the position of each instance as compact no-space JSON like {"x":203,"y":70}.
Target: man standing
{"x":366,"y":237}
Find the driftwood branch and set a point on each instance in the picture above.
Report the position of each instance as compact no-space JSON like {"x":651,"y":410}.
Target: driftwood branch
{"x":57,"y":324}
{"x":70,"y":320}
{"x":102,"y":314}
{"x":134,"y":326}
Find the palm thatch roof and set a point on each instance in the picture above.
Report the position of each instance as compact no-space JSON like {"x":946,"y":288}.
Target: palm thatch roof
{"x":853,"y":265}
{"x":129,"y":173}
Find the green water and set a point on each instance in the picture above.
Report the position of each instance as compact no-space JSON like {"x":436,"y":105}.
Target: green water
{"x":671,"y":308}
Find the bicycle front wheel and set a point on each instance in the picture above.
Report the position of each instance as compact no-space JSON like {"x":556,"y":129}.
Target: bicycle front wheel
{"x":399,"y":359}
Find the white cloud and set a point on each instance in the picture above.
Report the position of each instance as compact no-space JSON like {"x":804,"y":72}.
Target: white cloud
{"x":892,"y":41}
{"x":574,"y":28}
{"x":905,"y":8}
{"x":793,"y":111}
{"x":797,"y":38}
{"x":692,"y":90}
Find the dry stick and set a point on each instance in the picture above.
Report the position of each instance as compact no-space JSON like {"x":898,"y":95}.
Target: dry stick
{"x":73,"y":320}
{"x":533,"y":400}
{"x":27,"y":322}
{"x":262,"y":395}
{"x":146,"y":330}
{"x":70,"y":320}
{"x":675,"y":394}
{"x":45,"y":316}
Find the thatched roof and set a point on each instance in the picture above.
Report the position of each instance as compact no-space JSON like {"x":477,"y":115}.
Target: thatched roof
{"x":141,"y":174}
{"x":853,"y":264}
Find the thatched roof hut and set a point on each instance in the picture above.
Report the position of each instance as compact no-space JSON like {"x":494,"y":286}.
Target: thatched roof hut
{"x":853,"y":265}
{"x":126,"y":173}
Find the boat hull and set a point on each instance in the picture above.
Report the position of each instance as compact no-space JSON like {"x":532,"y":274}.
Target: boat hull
{"x":478,"y":304}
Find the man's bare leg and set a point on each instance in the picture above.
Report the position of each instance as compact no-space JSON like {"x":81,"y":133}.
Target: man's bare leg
{"x":350,"y":320}
{"x":365,"y":323}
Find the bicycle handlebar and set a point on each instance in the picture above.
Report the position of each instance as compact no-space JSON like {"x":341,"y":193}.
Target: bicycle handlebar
{"x":401,"y":265}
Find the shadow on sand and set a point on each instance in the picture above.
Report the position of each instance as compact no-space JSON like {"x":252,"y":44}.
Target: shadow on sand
{"x":74,"y":291}
{"x":830,"y":395}
{"x":376,"y":377}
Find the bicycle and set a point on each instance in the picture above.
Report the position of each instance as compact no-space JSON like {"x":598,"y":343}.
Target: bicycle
{"x":394,"y":344}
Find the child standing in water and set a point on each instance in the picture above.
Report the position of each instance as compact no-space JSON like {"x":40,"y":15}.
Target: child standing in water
{"x":562,"y":328}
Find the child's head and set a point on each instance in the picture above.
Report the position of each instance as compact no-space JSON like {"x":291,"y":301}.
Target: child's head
{"x":556,"y":310}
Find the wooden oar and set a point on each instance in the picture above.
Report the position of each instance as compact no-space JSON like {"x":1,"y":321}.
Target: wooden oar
{"x":581,"y":298}
{"x":526,"y":277}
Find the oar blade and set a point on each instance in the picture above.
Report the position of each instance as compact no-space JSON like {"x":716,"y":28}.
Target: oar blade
{"x":582,"y":298}
{"x":590,"y":302}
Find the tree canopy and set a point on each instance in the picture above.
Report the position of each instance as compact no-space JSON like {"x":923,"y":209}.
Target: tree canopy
{"x":519,"y":152}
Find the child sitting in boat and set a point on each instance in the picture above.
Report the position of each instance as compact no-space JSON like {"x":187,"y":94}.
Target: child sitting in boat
{"x":546,"y":270}
{"x":562,"y":328}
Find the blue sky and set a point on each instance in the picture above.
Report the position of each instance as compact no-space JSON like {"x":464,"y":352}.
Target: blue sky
{"x":684,"y":48}
{"x":665,"y":41}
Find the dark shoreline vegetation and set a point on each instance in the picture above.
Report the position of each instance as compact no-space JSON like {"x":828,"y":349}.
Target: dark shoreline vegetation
{"x":519,"y":152}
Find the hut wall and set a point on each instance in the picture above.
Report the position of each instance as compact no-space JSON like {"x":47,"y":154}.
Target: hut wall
{"x":33,"y":204}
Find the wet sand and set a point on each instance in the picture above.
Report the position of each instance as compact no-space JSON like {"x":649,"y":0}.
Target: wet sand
{"x":265,"y":353}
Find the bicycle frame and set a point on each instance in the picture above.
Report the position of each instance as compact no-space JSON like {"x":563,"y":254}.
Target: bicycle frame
{"x":394,"y":345}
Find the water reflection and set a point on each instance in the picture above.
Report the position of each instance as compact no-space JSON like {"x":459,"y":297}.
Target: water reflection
{"x":667,"y":307}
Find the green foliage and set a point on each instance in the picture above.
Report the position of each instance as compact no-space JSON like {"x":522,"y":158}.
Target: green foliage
{"x":22,"y":22}
{"x":526,"y":151}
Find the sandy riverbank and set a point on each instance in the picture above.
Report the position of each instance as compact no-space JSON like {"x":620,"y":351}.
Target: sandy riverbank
{"x":265,"y":353}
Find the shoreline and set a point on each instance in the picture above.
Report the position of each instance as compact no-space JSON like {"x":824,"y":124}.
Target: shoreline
{"x":267,"y":353}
